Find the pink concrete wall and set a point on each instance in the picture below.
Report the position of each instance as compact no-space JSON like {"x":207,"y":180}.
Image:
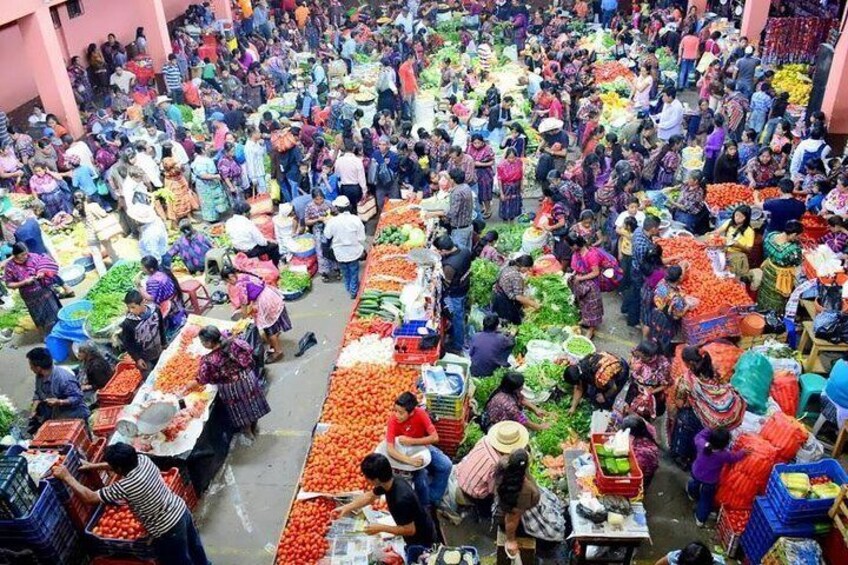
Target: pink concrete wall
{"x":174,"y":8}
{"x":18,"y":88}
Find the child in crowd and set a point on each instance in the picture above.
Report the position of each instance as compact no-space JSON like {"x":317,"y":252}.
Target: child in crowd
{"x":712,"y":455}
{"x":485,"y":248}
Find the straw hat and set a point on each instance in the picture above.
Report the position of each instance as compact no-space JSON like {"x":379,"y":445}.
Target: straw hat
{"x":507,"y":436}
{"x":421,"y":451}
{"x":550,"y":124}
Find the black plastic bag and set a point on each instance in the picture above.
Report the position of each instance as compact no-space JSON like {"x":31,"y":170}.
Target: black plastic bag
{"x":774,"y":324}
{"x":832,"y":327}
{"x":829,"y":296}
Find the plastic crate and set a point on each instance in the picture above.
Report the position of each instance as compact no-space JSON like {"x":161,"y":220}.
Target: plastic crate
{"x":45,"y":530}
{"x":448,"y":405}
{"x":140,"y":548}
{"x":728,"y":536}
{"x":628,"y":486}
{"x":18,"y":492}
{"x":78,"y":510}
{"x":98,"y":449}
{"x":707,"y":328}
{"x":408,"y":345}
{"x":123,"y":373}
{"x":180,"y":486}
{"x":104,"y":420}
{"x":59,"y":433}
{"x":764,"y":527}
{"x":791,"y":510}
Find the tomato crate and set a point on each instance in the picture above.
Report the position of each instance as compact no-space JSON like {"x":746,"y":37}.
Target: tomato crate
{"x":45,"y":530}
{"x":98,"y":449}
{"x":791,"y":510}
{"x":180,"y":486}
{"x":121,"y":388}
{"x":764,"y":528}
{"x":104,"y":420}
{"x":729,"y":529}
{"x":58,"y":433}
{"x":18,"y":492}
{"x":624,"y":485}
{"x":141,"y":548}
{"x":702,"y":329}
{"x":408,"y":344}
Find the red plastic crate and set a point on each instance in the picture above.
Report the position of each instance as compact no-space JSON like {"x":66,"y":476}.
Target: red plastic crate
{"x":408,"y":346}
{"x":180,"y":486}
{"x":625,"y":485}
{"x":58,"y":433}
{"x":98,"y":449}
{"x":105,"y":419}
{"x":728,"y":535}
{"x":123,"y":374}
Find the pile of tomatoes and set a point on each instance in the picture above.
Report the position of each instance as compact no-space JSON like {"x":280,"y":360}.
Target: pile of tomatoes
{"x":333,"y":462}
{"x":119,"y":522}
{"x":177,"y":372}
{"x":724,"y":195}
{"x":303,"y":538}
{"x":376,"y":388}
{"x":125,"y":382}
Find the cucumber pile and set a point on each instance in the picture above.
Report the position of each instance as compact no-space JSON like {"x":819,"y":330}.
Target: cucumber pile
{"x":385,"y":305}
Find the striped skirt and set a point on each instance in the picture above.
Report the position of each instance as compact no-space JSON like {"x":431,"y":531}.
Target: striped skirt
{"x":244,"y":401}
{"x":588,"y":297}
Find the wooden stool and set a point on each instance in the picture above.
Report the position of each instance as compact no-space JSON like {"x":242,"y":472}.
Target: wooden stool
{"x":840,"y":440}
{"x":812,"y":363}
{"x":839,"y":512}
{"x":198,"y":300}
{"x":526,"y":548}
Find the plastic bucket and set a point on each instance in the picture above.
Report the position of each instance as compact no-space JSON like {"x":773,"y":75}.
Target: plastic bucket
{"x":60,"y":349}
{"x":752,"y":325}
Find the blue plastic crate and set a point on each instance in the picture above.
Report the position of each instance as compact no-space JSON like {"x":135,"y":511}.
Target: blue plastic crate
{"x":18,"y":493}
{"x":793,"y":510}
{"x":764,"y":527}
{"x":411,"y":329}
{"x":96,"y":545}
{"x":43,"y":528}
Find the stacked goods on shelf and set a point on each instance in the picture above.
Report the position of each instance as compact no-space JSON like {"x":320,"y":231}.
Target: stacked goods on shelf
{"x":445,"y":387}
{"x":616,"y":469}
{"x":729,"y":527}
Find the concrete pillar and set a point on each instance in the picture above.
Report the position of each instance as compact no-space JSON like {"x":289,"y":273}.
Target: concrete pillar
{"x":223,"y":9}
{"x":835,"y":103}
{"x":47,"y":67}
{"x":701,"y":5}
{"x":754,"y":18}
{"x":151,"y":15}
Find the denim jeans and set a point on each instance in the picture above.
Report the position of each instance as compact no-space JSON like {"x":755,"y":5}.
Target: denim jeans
{"x":432,"y":482}
{"x":606,"y":18}
{"x":456,"y":306}
{"x":686,"y":67}
{"x":350,"y":275}
{"x":462,"y":237}
{"x":703,"y":493}
{"x":181,"y":544}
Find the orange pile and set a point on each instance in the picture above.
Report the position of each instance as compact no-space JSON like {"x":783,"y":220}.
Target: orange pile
{"x":333,"y":462}
{"x":399,"y":267}
{"x":123,"y":383}
{"x":177,"y":372}
{"x":376,"y":387}
{"x":303,"y":539}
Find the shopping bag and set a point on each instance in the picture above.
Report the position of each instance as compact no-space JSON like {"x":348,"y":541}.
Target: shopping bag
{"x":367,"y":208}
{"x":274,"y":190}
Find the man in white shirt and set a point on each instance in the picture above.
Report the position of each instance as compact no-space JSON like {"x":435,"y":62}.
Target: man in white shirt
{"x":122,"y":79}
{"x":246,"y":237}
{"x":145,"y":161}
{"x":352,"y":180}
{"x":404,"y":20}
{"x":347,"y":233}
{"x":457,"y":133}
{"x":815,"y":147}
{"x":670,"y":120}
{"x":254,"y":160}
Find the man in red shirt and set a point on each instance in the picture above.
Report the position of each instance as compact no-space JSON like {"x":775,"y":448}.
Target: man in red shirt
{"x":408,"y":84}
{"x":409,"y":425}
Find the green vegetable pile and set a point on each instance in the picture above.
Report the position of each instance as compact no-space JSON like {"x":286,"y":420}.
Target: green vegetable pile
{"x":390,"y":235}
{"x":292,"y":281}
{"x":12,"y":319}
{"x":108,"y":293}
{"x":527,"y":332}
{"x":484,"y":386}
{"x":484,"y":273}
{"x":563,"y":426}
{"x":386,"y":305}
{"x":579,"y":346}
{"x":543,"y":376}
{"x":510,"y":236}
{"x":8,"y":415}
{"x":473,"y":434}
{"x":557,"y":303}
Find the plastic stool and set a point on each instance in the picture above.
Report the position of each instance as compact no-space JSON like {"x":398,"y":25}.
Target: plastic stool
{"x":812,"y":385}
{"x":199,"y":300}
{"x":219,"y":258}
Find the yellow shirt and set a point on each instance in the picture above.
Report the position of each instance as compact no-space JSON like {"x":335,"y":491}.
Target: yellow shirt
{"x":625,"y":245}
{"x":741,"y":242}
{"x":246,"y":7}
{"x":301,"y":14}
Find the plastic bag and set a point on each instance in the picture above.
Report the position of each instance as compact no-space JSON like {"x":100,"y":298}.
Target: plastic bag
{"x":786,"y":434}
{"x":811,"y":451}
{"x":774,"y":325}
{"x":786,"y":391}
{"x":262,"y":269}
{"x":831,"y":326}
{"x":741,"y":482}
{"x":539,"y":350}
{"x":752,"y":379}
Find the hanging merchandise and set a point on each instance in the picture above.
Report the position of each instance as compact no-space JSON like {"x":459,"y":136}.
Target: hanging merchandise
{"x":795,"y":40}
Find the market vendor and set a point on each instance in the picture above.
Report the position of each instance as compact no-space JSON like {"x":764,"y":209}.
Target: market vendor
{"x":739,"y":235}
{"x":689,"y":208}
{"x":668,"y":308}
{"x":163,"y":289}
{"x":162,"y":513}
{"x":35,"y":278}
{"x":95,"y":367}
{"x":475,"y":473}
{"x":191,"y":247}
{"x":230,"y":365}
{"x":695,"y":553}
{"x":57,"y":395}
{"x":490,"y":349}
{"x":506,"y":403}
{"x":783,"y":255}
{"x":264,"y":303}
{"x":412,"y":521}
{"x":650,"y":377}
{"x":246,"y":237}
{"x":508,"y":297}
{"x":27,"y":228}
{"x":598,"y":377}
{"x":410,"y":426}
{"x":515,"y":494}
{"x":142,"y":332}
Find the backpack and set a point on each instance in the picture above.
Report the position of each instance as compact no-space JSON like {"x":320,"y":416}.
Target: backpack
{"x":809,"y":156}
{"x":611,"y":272}
{"x":385,"y":176}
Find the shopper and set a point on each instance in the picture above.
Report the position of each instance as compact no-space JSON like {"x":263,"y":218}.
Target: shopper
{"x":142,"y":332}
{"x":163,"y":514}
{"x":456,"y":268}
{"x":712,"y":455}
{"x":346,"y":233}
{"x":506,"y":403}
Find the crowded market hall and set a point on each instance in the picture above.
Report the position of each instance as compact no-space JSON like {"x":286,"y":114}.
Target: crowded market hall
{"x":440,"y":282}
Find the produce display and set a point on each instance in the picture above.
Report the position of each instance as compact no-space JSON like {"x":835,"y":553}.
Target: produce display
{"x":17,"y":317}
{"x":405,"y":236}
{"x":612,"y":464}
{"x":107,"y":294}
{"x":609,"y":71}
{"x":543,"y":376}
{"x":484,"y":274}
{"x":579,"y":346}
{"x":801,"y":485}
{"x":123,"y":383}
{"x":509,"y":236}
{"x":8,"y":415}
{"x":360,"y":327}
{"x":294,"y":281}
{"x":794,"y":79}
{"x":119,"y":522}
{"x":303,"y":538}
{"x":725,"y":195}
{"x":368,"y":349}
{"x":333,"y":462}
{"x":377,"y":388}
{"x":180,"y":369}
{"x":556,"y":302}
{"x":385,"y":305}
{"x":564,"y":428}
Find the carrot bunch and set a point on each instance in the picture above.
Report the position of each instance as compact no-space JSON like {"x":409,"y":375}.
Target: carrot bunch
{"x":376,"y":386}
{"x":364,"y":326}
{"x":303,"y":539}
{"x":177,"y":372}
{"x":723,"y":195}
{"x":333,"y":462}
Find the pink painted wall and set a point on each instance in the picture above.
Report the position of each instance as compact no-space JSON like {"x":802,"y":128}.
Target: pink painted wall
{"x":174,"y":8}
{"x":18,"y":88}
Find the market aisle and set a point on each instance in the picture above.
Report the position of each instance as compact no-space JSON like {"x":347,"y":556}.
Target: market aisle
{"x":245,"y":506}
